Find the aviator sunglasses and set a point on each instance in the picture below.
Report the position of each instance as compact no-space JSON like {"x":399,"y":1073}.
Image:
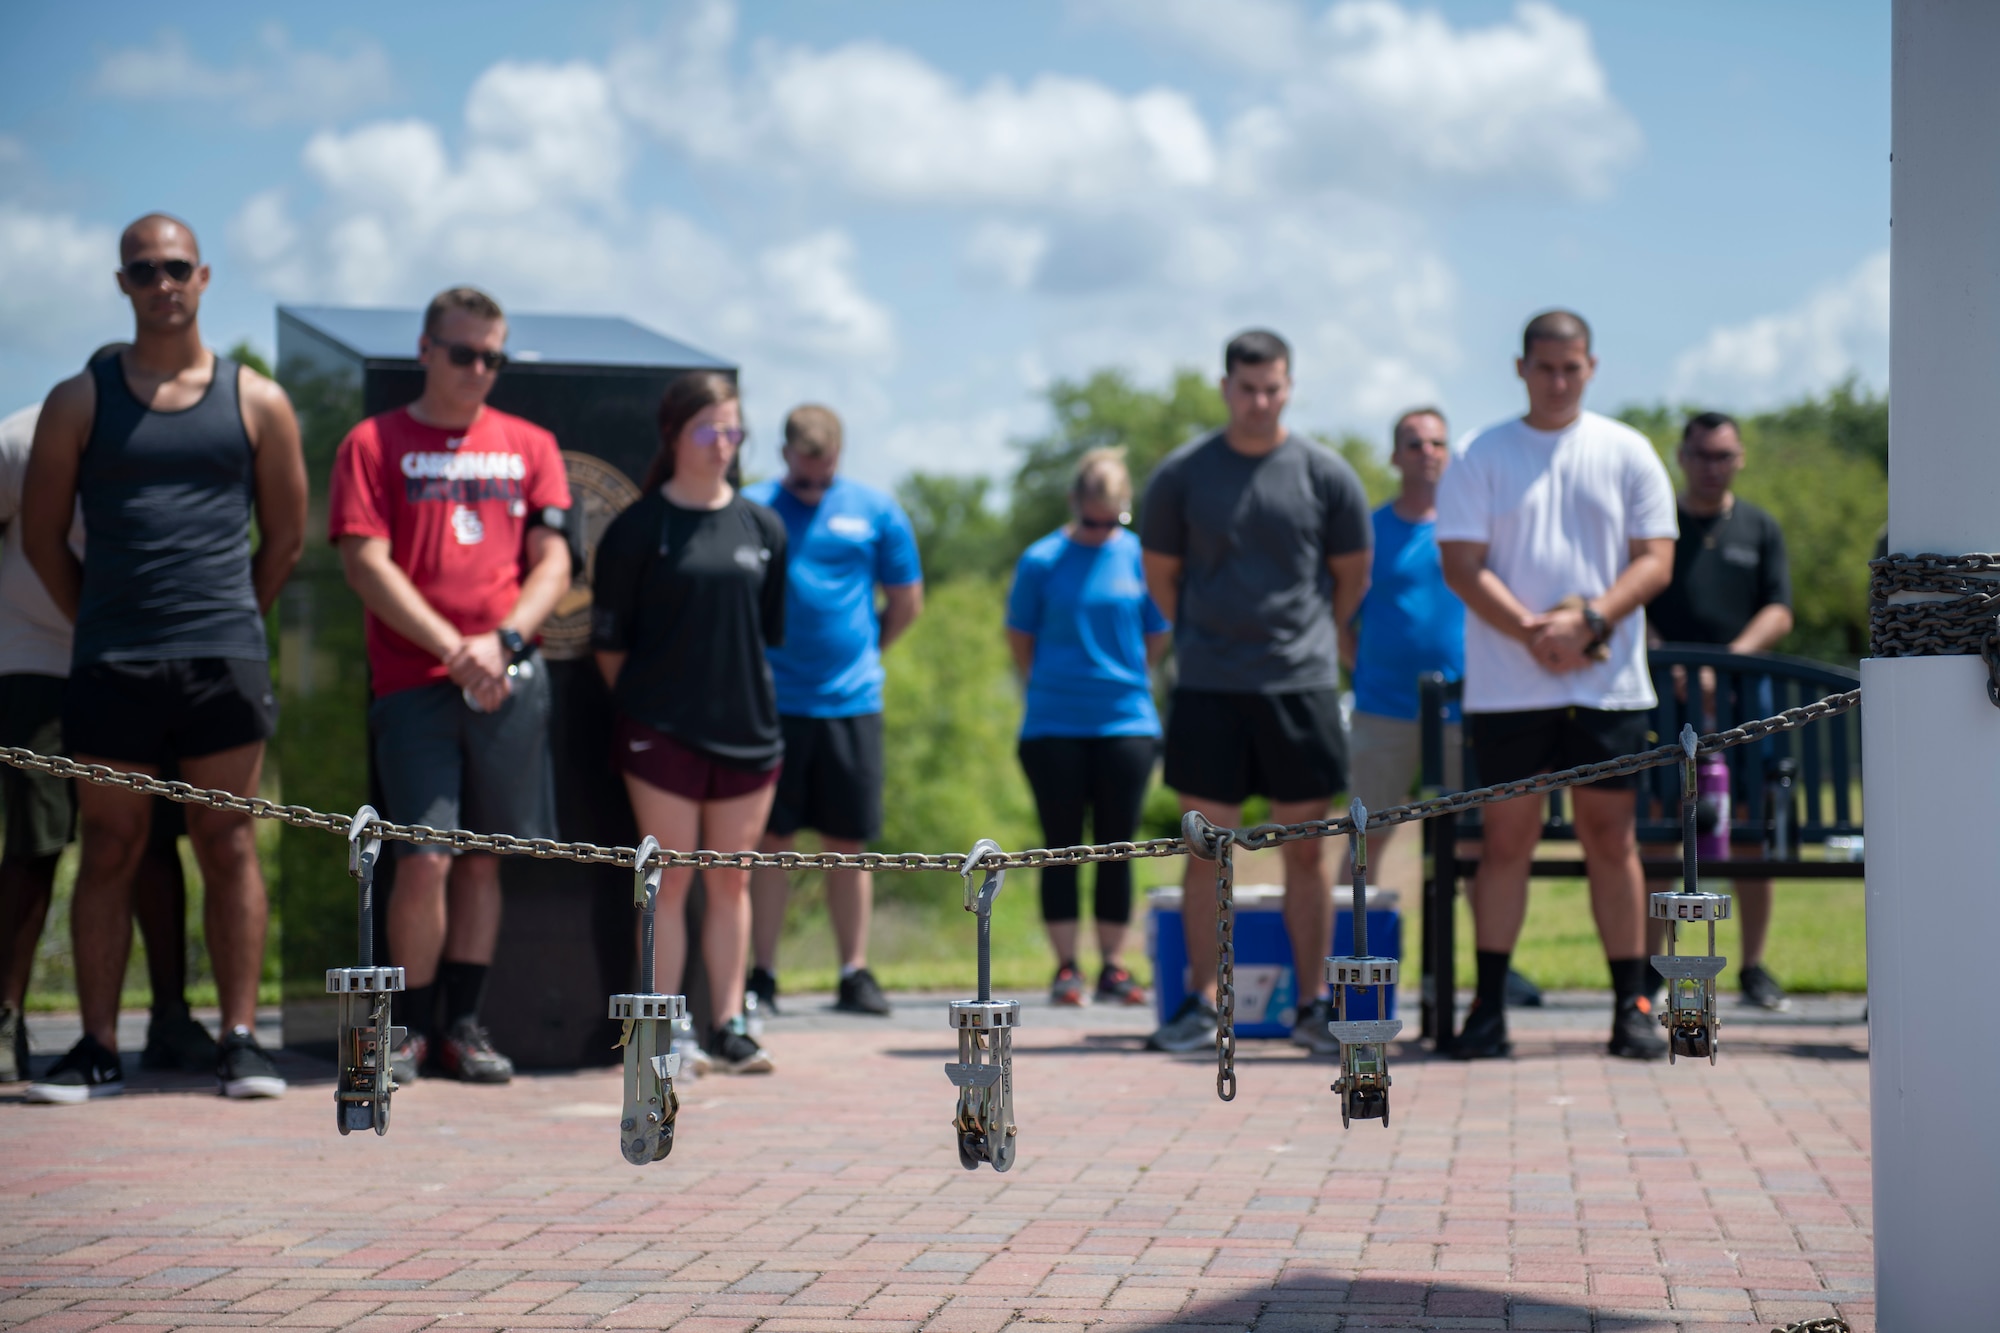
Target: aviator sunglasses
{"x":145,"y":272}
{"x":1102,"y":524}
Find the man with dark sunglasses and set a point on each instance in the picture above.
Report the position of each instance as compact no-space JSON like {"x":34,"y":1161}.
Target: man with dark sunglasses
{"x":1732,"y":588}
{"x":450,"y":517}
{"x":845,"y":540}
{"x":172,"y":451}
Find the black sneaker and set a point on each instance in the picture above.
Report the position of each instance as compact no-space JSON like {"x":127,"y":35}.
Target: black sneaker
{"x":735,"y":1051}
{"x":1115,"y":985}
{"x":466,"y":1053}
{"x":1067,"y":988}
{"x":1635,"y":1032}
{"x":859,"y":994}
{"x":244,"y":1068}
{"x":406,"y":1062}
{"x":1484,"y":1036}
{"x":1761,"y":989}
{"x":13,"y":1044}
{"x":1310,"y":1031}
{"x":1521,"y":992}
{"x":764,"y":985}
{"x":176,"y":1040}
{"x":1192,"y":1028}
{"x":87,"y":1071}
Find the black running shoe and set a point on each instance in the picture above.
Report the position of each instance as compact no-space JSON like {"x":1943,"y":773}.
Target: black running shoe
{"x":176,"y":1040}
{"x":406,"y":1062}
{"x":1067,"y":988}
{"x":764,"y":985}
{"x":1115,"y":985}
{"x":1311,"y":1032}
{"x":1521,"y":992}
{"x":244,"y":1069}
{"x":860,"y":994}
{"x":1484,"y":1036}
{"x":13,"y":1044}
{"x":1192,"y":1028}
{"x":466,"y":1053}
{"x":1761,"y":989}
{"x":87,"y":1071}
{"x":735,"y":1051}
{"x":1635,"y":1032}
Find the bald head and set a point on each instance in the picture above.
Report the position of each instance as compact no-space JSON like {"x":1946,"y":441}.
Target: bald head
{"x":156,"y":231}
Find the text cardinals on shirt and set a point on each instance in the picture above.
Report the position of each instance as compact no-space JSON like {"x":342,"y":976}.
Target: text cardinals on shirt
{"x":454,"y":506}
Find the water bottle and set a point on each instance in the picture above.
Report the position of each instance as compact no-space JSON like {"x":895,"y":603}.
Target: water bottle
{"x":1711,"y":817}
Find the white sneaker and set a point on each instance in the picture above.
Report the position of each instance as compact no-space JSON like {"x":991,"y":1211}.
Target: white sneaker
{"x":694,"y":1060}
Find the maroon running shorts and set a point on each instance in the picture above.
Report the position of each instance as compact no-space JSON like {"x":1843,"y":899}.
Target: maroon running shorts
{"x":659,"y":760}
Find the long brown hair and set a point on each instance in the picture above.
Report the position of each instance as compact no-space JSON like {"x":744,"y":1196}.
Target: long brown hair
{"x":685,"y":399}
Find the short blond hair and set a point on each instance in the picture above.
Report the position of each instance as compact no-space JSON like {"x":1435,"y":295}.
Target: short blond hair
{"x":1101,"y":475}
{"x":813,"y":430}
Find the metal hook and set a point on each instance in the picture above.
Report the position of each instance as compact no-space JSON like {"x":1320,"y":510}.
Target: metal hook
{"x":364,"y":1036}
{"x":646,"y":1130}
{"x":1363,"y":1085}
{"x":984,"y":1073}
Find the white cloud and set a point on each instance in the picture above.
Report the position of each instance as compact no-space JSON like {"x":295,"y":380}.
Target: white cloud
{"x":1841,"y":329}
{"x":881,"y":122}
{"x":1007,"y":253}
{"x":1370,"y":91}
{"x":56,"y":283}
{"x":276,"y":83}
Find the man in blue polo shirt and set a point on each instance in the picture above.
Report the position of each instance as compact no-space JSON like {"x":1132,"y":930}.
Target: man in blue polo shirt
{"x":845,"y":539}
{"x":1409,"y":624}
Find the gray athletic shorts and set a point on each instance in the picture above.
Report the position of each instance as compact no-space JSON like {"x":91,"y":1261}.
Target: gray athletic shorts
{"x":438,"y":762}
{"x":1388,"y":758}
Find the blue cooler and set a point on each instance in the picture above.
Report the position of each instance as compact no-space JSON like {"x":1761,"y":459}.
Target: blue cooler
{"x":1267,"y":992}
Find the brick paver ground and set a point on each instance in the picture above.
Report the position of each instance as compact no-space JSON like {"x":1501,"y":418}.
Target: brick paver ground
{"x":1556,"y":1191}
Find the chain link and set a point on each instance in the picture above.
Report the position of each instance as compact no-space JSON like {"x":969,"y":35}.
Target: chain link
{"x":1210,"y":842}
{"x":587,"y":853}
{"x":1958,"y":616}
{"x":1827,"y":1325}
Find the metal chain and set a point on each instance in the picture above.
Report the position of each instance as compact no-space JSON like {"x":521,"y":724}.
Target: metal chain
{"x":1959,"y":616}
{"x":1827,"y":1325}
{"x":1211,"y":842}
{"x":1263,"y":835}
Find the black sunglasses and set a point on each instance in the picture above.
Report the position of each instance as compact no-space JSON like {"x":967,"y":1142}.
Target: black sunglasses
{"x":463,"y":355}
{"x":144,"y":272}
{"x":1100,"y":524}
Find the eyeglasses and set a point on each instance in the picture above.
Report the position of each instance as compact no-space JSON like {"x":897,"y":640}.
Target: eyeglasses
{"x":462,"y":354}
{"x":1101,"y":524}
{"x":710,"y":436}
{"x":144,"y":272}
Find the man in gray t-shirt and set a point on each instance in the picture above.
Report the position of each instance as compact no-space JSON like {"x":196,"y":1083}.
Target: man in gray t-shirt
{"x":1257,"y":548}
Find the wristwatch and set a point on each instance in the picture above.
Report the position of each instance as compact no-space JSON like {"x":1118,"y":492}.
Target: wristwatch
{"x":1600,"y":628}
{"x":510,"y":639}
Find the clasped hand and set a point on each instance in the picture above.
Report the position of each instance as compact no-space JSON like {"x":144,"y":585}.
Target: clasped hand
{"x":479,"y":666}
{"x":1559,"y":640}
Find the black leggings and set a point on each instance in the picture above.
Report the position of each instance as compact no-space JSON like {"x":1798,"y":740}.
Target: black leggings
{"x":1106,"y":776}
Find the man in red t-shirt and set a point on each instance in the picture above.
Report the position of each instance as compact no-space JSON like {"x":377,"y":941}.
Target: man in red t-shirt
{"x":449,"y":517}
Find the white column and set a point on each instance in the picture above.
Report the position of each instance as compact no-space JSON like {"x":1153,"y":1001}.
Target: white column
{"x":1931,"y":740}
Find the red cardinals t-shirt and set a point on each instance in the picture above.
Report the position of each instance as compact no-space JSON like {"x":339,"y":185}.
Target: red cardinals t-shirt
{"x":454,"y":506}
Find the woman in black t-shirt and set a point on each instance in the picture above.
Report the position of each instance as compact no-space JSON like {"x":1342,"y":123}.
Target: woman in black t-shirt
{"x":688,"y":591}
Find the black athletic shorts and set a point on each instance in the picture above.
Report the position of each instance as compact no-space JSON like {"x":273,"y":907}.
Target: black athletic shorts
{"x":177,"y":708}
{"x":440,"y":762}
{"x":832,"y":780}
{"x":1507,"y":747}
{"x":1289,"y":747}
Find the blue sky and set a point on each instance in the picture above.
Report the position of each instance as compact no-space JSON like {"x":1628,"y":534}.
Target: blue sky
{"x":922,"y":214}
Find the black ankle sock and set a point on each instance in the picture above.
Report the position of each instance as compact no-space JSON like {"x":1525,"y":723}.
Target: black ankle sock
{"x":1631,"y":976}
{"x":463,"y":984}
{"x":416,"y":1009}
{"x":1493,"y":977}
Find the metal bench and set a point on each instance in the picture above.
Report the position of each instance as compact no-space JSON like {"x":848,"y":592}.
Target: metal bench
{"x":1795,"y":790}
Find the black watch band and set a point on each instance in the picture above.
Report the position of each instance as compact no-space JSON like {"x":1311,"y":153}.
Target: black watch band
{"x":1600,"y":628}
{"x":511,"y":640}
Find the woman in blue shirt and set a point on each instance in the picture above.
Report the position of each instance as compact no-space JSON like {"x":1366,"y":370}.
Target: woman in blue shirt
{"x":1083,"y":632}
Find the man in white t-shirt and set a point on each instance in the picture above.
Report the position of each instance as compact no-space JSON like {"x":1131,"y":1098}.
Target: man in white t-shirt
{"x":1555,"y":529}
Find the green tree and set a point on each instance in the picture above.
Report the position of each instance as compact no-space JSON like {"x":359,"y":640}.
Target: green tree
{"x":1103,"y":411}
{"x":958,"y":534}
{"x":1377,"y":477}
{"x":951,"y":709}
{"x":243,"y":354}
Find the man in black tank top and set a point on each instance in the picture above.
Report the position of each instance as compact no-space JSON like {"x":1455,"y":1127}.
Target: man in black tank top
{"x":171,"y":450}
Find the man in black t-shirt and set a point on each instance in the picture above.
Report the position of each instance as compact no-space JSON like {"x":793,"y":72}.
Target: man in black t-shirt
{"x":1732,"y":587}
